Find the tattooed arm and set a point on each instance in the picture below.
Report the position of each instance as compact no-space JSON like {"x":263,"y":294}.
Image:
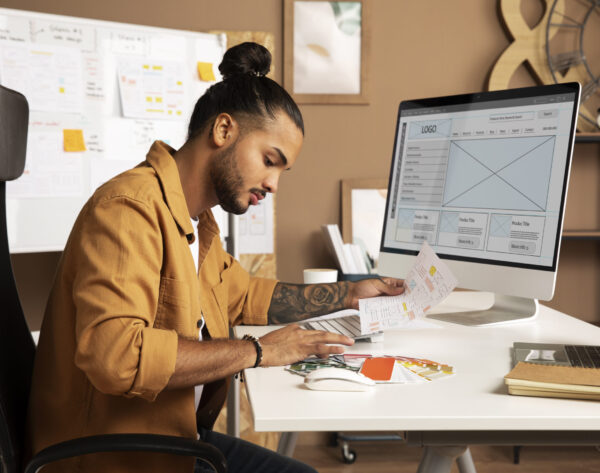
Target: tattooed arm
{"x":296,"y":302}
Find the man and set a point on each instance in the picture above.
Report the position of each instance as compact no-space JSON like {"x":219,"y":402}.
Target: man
{"x":135,"y":337}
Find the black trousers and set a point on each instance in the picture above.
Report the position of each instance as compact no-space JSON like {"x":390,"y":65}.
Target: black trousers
{"x":245,"y":457}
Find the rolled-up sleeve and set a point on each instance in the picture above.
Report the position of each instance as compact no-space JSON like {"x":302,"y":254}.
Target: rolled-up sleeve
{"x":115,"y":291}
{"x":248,"y":297}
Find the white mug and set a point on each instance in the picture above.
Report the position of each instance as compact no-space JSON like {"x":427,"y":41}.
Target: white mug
{"x":319,"y":275}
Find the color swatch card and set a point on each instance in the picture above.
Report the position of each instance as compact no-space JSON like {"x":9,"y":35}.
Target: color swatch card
{"x":388,"y":370}
{"x":428,"y":283}
{"x":378,"y":369}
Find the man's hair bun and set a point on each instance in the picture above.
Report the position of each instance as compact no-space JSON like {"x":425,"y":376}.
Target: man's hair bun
{"x":246,"y":59}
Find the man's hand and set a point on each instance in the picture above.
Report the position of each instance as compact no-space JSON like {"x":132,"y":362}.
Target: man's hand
{"x":372,"y":288}
{"x":292,"y":343}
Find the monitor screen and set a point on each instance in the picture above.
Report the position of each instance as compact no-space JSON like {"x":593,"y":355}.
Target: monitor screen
{"x":483,"y":177}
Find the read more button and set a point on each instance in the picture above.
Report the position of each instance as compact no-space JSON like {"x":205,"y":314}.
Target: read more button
{"x":522,"y":247}
{"x":467,"y":242}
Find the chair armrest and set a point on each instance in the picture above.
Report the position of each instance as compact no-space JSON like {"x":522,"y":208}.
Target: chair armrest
{"x":130,"y":443}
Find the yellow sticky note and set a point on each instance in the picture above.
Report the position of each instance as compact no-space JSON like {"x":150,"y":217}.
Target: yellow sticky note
{"x":73,"y":140}
{"x":148,"y":99}
{"x":205,"y":72}
{"x":405,"y":308}
{"x":158,"y":99}
{"x":61,"y":90}
{"x":432,"y":270}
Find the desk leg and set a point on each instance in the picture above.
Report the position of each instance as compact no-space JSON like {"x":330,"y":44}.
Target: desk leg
{"x":440,"y":460}
{"x":233,"y":408}
{"x":465,"y":462}
{"x":287,"y":443}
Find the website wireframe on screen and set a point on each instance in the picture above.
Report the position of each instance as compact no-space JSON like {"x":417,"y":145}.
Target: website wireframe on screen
{"x":481,"y":181}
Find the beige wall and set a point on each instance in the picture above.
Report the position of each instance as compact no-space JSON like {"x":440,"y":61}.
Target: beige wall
{"x":419,"y":48}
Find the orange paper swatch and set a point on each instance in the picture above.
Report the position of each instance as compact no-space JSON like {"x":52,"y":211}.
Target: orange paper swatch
{"x":378,"y":369}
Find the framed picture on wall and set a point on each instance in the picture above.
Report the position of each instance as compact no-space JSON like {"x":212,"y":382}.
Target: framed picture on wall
{"x":326,"y":51}
{"x":363,"y":210}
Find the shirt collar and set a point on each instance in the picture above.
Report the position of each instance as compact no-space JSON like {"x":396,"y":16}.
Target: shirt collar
{"x":160,"y":157}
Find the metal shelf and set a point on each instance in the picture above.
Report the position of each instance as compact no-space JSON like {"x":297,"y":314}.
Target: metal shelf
{"x":581,"y":234}
{"x":587,"y":138}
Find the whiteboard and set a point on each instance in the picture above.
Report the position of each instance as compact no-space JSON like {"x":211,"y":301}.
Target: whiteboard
{"x":99,"y":94}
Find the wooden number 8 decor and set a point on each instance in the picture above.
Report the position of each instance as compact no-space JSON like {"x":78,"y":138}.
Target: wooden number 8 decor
{"x":554,"y":50}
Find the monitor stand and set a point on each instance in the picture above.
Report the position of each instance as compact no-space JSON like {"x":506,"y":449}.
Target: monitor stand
{"x":504,"y":310}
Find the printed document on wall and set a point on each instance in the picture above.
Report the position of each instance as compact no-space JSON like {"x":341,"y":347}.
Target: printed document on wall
{"x":60,"y":33}
{"x":49,"y":170}
{"x":128,"y":140}
{"x":13,"y":28}
{"x":256,"y":229}
{"x":49,"y":76}
{"x":152,"y":89}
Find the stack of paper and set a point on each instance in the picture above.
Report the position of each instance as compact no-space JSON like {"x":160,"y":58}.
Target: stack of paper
{"x":530,"y":379}
{"x":350,"y":258}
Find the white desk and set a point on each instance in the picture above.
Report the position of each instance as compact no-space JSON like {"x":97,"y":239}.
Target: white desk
{"x":470,"y":407}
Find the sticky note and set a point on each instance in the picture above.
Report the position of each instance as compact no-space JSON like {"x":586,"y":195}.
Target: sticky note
{"x":61,"y":90}
{"x":205,"y":72}
{"x":432,"y":270}
{"x":73,"y":140}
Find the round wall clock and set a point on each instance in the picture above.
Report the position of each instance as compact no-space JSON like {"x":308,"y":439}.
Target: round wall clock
{"x":563,"y":46}
{"x":573,"y":52}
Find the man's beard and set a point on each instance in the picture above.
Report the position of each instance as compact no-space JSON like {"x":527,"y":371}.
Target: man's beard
{"x":227,"y":179}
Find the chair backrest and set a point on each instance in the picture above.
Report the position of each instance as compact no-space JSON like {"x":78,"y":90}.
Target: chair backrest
{"x":16,"y":345}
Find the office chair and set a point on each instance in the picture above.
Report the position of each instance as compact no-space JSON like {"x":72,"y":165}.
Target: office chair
{"x":17,"y":349}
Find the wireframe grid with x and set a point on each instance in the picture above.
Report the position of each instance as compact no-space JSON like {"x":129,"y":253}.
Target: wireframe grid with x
{"x":495,"y":173}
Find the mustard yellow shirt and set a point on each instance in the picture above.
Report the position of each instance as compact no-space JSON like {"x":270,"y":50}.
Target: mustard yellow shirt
{"x":125,"y":289}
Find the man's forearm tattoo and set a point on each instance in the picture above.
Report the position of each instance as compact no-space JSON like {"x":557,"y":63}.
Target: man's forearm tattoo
{"x":294,"y":302}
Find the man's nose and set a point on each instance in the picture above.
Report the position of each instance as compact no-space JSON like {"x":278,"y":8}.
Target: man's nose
{"x":271,"y":182}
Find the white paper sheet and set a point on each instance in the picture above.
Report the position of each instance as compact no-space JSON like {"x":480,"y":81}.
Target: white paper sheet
{"x":59,"y":33}
{"x":129,"y":42}
{"x":130,"y":140}
{"x":15,"y":29}
{"x":428,"y":282}
{"x":256,"y":229}
{"x":49,"y":171}
{"x":102,"y":170}
{"x":168,"y":46}
{"x":49,"y":76}
{"x":93,"y":77}
{"x":153,"y":89}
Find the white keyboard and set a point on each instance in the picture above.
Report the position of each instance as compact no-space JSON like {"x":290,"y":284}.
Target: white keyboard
{"x":348,"y":325}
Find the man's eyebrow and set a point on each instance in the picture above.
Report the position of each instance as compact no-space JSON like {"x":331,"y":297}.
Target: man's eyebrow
{"x":281,"y":155}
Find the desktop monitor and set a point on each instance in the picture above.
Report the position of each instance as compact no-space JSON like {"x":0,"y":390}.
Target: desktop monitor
{"x":483,"y":179}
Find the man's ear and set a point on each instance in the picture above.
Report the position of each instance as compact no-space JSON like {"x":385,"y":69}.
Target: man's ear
{"x":224,"y":130}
